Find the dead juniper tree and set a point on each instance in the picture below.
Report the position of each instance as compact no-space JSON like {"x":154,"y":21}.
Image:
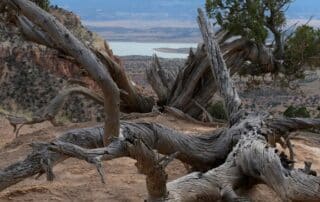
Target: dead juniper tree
{"x":191,"y":88}
{"x":243,"y":38}
{"x":224,"y":161}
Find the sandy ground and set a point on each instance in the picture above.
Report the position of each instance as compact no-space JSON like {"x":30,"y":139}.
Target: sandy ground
{"x":78,"y":181}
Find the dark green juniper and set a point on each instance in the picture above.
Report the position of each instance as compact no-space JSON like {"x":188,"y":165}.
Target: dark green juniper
{"x":256,"y":20}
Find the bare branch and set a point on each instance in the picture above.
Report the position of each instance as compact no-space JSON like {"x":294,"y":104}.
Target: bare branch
{"x":93,"y":156}
{"x":219,"y":68}
{"x":32,"y":33}
{"x":285,"y":125}
{"x":160,"y":79}
{"x":84,"y":56}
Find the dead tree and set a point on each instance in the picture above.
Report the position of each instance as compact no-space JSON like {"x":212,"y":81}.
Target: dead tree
{"x":67,"y":42}
{"x":224,"y":161}
{"x":191,"y":88}
{"x":186,"y":90}
{"x":132,"y":98}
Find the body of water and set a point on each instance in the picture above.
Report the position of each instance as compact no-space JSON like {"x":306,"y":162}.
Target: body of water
{"x":148,"y":49}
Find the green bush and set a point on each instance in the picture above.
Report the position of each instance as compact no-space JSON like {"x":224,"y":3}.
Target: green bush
{"x":218,"y":111}
{"x":44,"y":4}
{"x":303,"y":112}
{"x":292,"y":112}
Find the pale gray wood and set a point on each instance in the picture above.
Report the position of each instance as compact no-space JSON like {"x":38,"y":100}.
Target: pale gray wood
{"x":219,"y":68}
{"x":225,"y":159}
{"x":70,"y":44}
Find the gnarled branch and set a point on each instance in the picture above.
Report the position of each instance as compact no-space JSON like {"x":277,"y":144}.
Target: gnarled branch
{"x":84,"y":56}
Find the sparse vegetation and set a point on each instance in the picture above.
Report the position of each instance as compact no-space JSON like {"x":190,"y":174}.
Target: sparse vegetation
{"x":301,"y":49}
{"x":217,"y":110}
{"x":292,"y":112}
{"x":44,"y":4}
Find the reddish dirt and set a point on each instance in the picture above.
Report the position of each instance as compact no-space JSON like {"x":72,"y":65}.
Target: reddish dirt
{"x":78,"y":181}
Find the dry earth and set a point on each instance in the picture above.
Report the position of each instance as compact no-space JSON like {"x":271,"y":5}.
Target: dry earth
{"x":78,"y":181}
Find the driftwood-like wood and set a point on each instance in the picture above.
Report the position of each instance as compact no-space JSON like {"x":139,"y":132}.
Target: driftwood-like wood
{"x":194,"y":85}
{"x":181,"y":115}
{"x":219,"y":69}
{"x":84,"y":56}
{"x":164,"y":78}
{"x":132,"y":100}
{"x":225,"y":161}
{"x":193,"y":82}
{"x":201,"y":152}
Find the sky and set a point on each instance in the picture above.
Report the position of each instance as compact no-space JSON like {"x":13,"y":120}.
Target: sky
{"x":161,"y":13}
{"x":104,"y":10}
{"x":101,"y":12}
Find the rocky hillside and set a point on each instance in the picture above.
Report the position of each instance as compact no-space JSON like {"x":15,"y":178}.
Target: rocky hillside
{"x":32,"y":74}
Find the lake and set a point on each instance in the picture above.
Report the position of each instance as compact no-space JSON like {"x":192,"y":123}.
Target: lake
{"x":148,"y":49}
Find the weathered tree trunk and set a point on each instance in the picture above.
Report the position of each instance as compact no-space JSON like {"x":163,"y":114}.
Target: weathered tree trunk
{"x":201,"y":152}
{"x":226,"y":160}
{"x":131,"y":99}
{"x":193,"y":85}
{"x":84,"y":56}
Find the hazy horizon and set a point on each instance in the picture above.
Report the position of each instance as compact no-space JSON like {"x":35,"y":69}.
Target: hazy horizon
{"x":161,"y":20}
{"x":149,"y":10}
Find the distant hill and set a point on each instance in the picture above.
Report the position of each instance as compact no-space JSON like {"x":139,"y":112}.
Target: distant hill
{"x":105,"y":10}
{"x":159,"y":20}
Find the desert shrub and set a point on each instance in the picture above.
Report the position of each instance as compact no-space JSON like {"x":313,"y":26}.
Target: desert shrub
{"x":44,"y":4}
{"x":218,"y":111}
{"x":301,"y":112}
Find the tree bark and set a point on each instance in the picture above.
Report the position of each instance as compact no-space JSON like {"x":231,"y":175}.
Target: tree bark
{"x":212,"y":154}
{"x":84,"y":56}
{"x":194,"y":83}
{"x":131,"y":99}
{"x":226,"y":160}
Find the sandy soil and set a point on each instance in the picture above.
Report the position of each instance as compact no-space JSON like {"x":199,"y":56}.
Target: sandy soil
{"x":78,"y":181}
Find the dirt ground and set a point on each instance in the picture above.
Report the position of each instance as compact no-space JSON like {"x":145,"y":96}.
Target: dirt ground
{"x":78,"y":181}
